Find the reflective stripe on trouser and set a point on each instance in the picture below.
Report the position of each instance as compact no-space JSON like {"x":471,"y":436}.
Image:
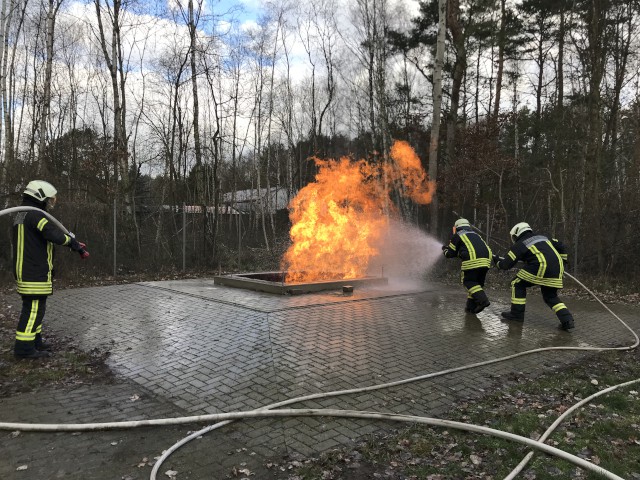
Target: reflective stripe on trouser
{"x":473,"y":280}
{"x":30,"y":323}
{"x":550,"y":296}
{"x":519,"y":295}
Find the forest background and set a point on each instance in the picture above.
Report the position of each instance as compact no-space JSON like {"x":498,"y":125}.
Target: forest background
{"x":179,"y":131}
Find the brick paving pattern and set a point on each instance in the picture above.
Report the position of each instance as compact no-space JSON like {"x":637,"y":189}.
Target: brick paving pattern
{"x":191,"y":347}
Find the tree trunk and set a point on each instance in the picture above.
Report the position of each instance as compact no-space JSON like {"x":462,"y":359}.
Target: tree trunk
{"x":46,"y":95}
{"x":460,"y":66}
{"x":501,"y":41}
{"x":437,"y":103}
{"x":200,"y":190}
{"x":112,"y":58}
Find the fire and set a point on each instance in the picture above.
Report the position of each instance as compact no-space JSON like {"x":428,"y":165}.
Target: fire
{"x":338,"y":220}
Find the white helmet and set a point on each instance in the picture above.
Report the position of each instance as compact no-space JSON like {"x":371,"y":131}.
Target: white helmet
{"x":518,"y":229}
{"x":40,"y":190}
{"x":461,"y":222}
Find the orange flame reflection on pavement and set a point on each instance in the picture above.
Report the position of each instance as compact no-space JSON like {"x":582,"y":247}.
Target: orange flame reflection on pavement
{"x":338,"y":220}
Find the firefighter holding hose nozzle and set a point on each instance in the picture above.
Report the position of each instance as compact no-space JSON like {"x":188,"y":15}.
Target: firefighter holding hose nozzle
{"x":544,"y":261}
{"x":476,"y":260}
{"x":34,"y":237}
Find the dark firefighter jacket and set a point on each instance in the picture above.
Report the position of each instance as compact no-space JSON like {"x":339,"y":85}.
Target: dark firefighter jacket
{"x":543,"y":259}
{"x":470,"y":247}
{"x":33,"y":239}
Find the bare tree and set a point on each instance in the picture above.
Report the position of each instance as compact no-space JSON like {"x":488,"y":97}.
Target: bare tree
{"x":437,"y":102}
{"x":51,"y":14}
{"x":112,"y":52}
{"x":12,"y":16}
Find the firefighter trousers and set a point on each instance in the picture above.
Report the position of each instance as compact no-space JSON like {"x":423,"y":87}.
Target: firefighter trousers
{"x":549,"y":295}
{"x":28,"y":332}
{"x":473,"y":280}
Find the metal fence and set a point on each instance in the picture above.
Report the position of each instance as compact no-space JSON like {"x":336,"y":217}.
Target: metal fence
{"x":155,"y":238}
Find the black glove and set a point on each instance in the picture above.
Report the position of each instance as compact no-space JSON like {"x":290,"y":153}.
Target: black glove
{"x":444,"y":248}
{"x":496,"y":259}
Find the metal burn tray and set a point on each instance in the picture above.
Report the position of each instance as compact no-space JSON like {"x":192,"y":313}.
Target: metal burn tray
{"x":273,"y":282}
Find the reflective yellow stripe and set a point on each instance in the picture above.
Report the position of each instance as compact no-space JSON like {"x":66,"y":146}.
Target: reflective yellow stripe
{"x":32,"y":317}
{"x":516,"y":300}
{"x":19,"y":252}
{"x":547,"y":282}
{"x":560,"y":262}
{"x":35,"y":288}
{"x":67,"y":239}
{"x":475,"y":289}
{"x":559,"y":306}
{"x":511,"y":255}
{"x":469,"y":245}
{"x":477,"y":263}
{"x":25,"y":337}
{"x":49,"y":260}
{"x":42,"y":223}
{"x":29,"y":334}
{"x":452,"y":246}
{"x":542,"y":267}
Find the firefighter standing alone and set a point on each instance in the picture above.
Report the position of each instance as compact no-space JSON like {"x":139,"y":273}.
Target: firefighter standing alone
{"x":476,"y":260}
{"x":34,"y":237}
{"x":544,"y":261}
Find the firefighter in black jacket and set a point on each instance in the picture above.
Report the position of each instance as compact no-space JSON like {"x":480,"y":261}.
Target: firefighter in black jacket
{"x":33,"y":239}
{"x":544,"y":261}
{"x":476,"y":260}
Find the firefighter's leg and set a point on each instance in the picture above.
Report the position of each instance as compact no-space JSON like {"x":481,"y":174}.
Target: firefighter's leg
{"x":473,"y":280}
{"x":481,"y":296}
{"x":518,"y":300}
{"x":29,"y":324}
{"x":550,"y":296}
{"x":467,"y":281}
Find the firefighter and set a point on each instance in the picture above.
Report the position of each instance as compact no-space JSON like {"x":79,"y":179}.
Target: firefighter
{"x":544,"y":261}
{"x":34,"y":237}
{"x":476,"y":260}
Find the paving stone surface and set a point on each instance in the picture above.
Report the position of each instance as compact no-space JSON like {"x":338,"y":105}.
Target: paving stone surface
{"x":183,"y":348}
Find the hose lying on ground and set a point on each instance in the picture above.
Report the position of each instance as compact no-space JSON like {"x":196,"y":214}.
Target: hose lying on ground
{"x":226,"y":418}
{"x":436,"y":422}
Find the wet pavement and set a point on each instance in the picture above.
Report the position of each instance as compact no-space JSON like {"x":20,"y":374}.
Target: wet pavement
{"x":190,"y":347}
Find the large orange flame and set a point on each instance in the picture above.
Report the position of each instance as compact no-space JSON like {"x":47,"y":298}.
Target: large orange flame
{"x":338,"y":220}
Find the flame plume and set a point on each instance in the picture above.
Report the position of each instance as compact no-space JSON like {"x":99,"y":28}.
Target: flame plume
{"x":338,"y":220}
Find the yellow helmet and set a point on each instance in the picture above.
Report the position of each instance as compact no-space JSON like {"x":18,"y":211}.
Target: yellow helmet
{"x":40,"y":190}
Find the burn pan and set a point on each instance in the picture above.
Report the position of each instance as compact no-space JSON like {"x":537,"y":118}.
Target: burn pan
{"x":273,"y":282}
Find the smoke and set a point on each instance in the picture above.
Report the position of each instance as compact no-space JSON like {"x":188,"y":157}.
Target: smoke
{"x":406,"y":254}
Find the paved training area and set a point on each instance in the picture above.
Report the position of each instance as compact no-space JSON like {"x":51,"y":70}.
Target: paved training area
{"x":190,"y":347}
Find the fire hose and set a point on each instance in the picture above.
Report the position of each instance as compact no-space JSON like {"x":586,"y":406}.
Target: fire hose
{"x":223,"y":419}
{"x":53,"y":220}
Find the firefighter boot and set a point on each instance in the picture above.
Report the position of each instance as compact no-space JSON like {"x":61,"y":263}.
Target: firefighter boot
{"x":482,"y":301}
{"x":24,"y":349}
{"x":516,"y":313}
{"x":566,"y":320}
{"x":471,"y":305}
{"x":41,"y":345}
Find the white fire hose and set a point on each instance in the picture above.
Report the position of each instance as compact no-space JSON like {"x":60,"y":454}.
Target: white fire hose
{"x":8,"y":211}
{"x":223,"y":419}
